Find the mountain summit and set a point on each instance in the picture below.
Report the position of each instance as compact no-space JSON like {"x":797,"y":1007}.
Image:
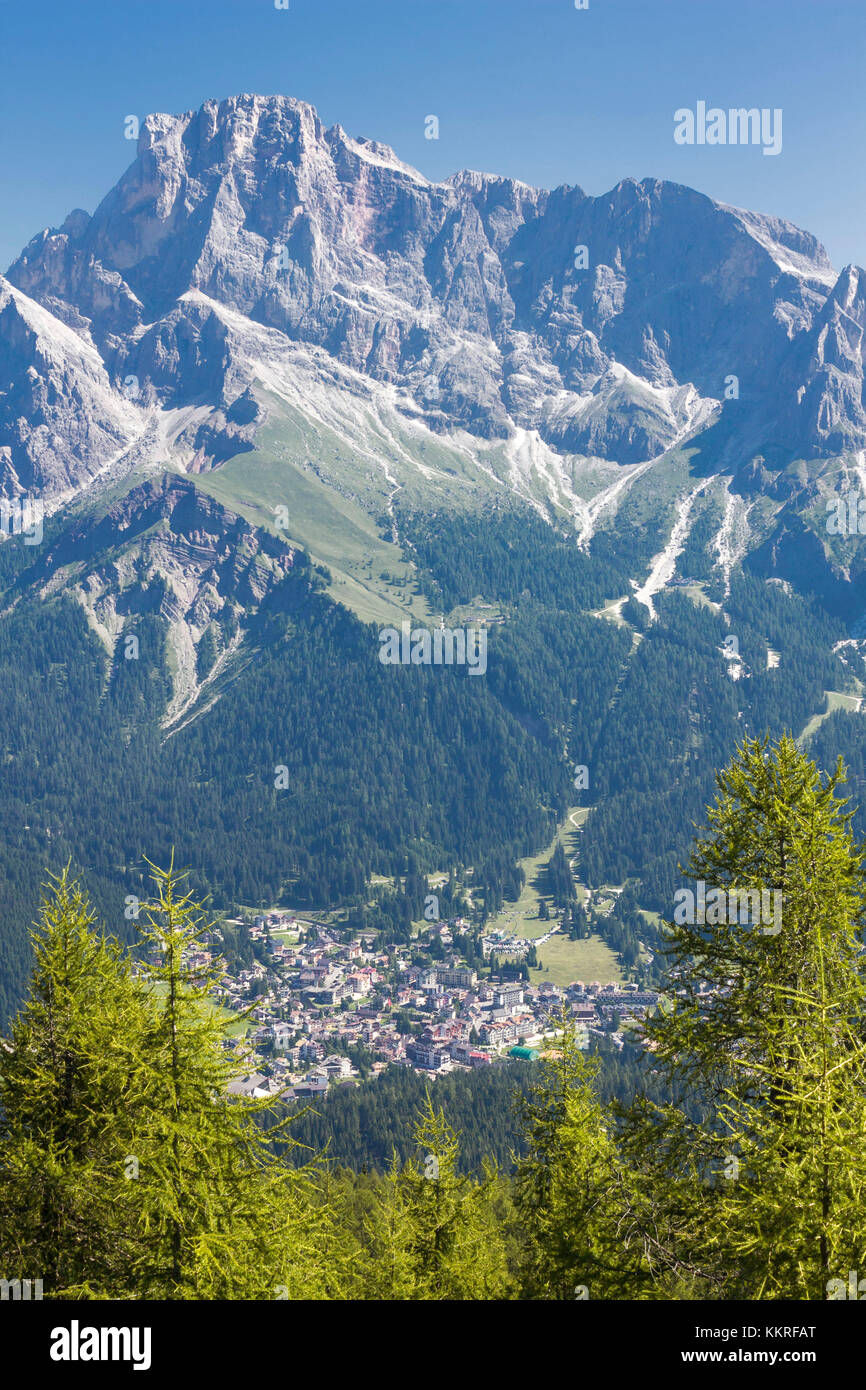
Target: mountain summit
{"x":606,"y":326}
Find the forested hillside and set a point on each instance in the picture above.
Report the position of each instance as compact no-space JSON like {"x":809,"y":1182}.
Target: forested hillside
{"x":389,"y":770}
{"x":362,"y":1127}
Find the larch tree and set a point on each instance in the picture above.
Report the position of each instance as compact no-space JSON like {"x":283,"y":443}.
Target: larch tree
{"x":127,"y":1169}
{"x":580,"y":1237}
{"x":436,"y":1234}
{"x":754,"y":1174}
{"x":227,"y":1217}
{"x":71,"y":1098}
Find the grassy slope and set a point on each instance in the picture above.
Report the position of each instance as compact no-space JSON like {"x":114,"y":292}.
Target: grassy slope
{"x":835,"y":701}
{"x":334,"y":530}
{"x":561,"y":960}
{"x":338,"y":485}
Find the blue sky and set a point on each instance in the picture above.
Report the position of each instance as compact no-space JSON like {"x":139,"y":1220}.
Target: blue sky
{"x":531,"y":88}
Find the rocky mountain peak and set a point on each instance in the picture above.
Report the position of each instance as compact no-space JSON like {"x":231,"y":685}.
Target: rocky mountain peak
{"x":607,"y":326}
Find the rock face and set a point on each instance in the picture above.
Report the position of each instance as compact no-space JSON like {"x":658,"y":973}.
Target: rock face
{"x":824,"y":389}
{"x":61,"y":420}
{"x":167,"y":549}
{"x":611,"y":326}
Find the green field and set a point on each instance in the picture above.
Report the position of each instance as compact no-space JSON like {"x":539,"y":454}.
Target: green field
{"x":696,"y":593}
{"x":612,"y":610}
{"x":521,"y":918}
{"x":238,"y":1027}
{"x":334,"y":530}
{"x":525,"y":911}
{"x":565,"y":960}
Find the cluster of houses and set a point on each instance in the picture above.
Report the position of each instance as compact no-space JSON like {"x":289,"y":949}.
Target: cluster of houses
{"x":319,"y":994}
{"x":508,"y":1018}
{"x":282,"y":1081}
{"x":515,"y":947}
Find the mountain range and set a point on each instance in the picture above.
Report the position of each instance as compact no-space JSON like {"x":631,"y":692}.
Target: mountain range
{"x":278,"y":368}
{"x":254,"y":272}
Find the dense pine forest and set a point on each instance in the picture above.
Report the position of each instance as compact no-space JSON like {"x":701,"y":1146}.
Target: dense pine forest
{"x":362,"y":1127}
{"x":386,"y":771}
